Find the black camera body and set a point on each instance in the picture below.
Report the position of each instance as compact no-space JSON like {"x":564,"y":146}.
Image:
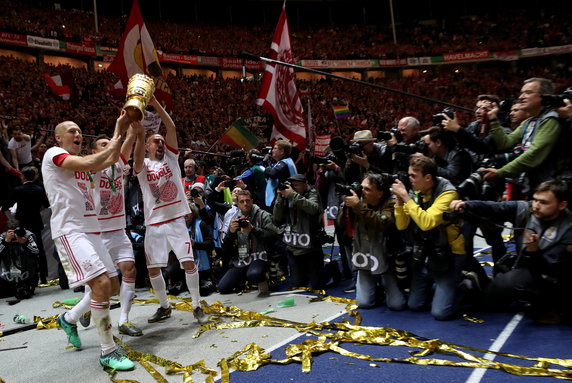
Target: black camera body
{"x":243,"y":222}
{"x":453,"y":217}
{"x":502,"y":159}
{"x":353,"y":148}
{"x":438,"y":119}
{"x":195,"y":193}
{"x":475,"y":187}
{"x":320,"y":160}
{"x":20,"y":232}
{"x":557,"y":100}
{"x":256,"y":157}
{"x":284,"y":185}
{"x":346,"y":189}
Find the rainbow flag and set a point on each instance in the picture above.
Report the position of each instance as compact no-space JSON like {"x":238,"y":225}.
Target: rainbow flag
{"x":239,"y":137}
{"x":341,"y":112}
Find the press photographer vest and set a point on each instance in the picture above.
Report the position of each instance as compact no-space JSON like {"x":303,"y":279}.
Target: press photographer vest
{"x":549,"y":167}
{"x":433,"y":243}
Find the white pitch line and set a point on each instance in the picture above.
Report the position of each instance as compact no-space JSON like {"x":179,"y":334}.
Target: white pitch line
{"x":478,"y":373}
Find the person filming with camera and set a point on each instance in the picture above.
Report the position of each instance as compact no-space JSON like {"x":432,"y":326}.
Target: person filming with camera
{"x":18,"y":253}
{"x":299,"y":209}
{"x":374,"y":233}
{"x":537,"y":136}
{"x":245,"y":246}
{"x":438,"y":252}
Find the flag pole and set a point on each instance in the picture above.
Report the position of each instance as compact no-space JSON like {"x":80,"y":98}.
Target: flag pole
{"x":304,"y":69}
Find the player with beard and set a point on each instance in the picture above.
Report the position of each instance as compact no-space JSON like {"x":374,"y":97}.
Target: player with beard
{"x":165,"y":207}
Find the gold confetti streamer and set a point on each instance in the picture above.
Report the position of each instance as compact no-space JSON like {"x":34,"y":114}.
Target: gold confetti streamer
{"x":329,"y":336}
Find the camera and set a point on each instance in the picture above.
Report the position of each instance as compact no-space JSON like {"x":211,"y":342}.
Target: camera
{"x":338,"y":145}
{"x":284,"y":185}
{"x":417,"y":147}
{"x":195,"y":193}
{"x":438,"y":118}
{"x":475,"y":187}
{"x":256,"y":157}
{"x":322,"y":237}
{"x":231,"y":184}
{"x":384,"y":136}
{"x":453,"y":217}
{"x":20,"y":232}
{"x":243,"y":222}
{"x":388,"y":135}
{"x":346,"y":189}
{"x":504,"y":158}
{"x":556,"y":100}
{"x":320,"y":160}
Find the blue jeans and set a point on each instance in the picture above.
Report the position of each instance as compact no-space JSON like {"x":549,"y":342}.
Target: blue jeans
{"x":366,"y":288}
{"x":445,"y":298}
{"x":235,"y":276}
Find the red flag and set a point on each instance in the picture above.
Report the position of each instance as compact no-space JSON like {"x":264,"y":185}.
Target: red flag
{"x":63,"y":85}
{"x":137,"y":54}
{"x":278,"y":94}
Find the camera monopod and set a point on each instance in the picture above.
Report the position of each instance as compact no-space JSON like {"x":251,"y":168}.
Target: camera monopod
{"x":251,"y":56}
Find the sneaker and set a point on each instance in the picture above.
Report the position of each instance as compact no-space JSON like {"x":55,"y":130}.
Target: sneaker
{"x":85,"y":319}
{"x":117,"y":361}
{"x":200,"y":315}
{"x":130,"y":329}
{"x":160,"y":314}
{"x":70,"y":330}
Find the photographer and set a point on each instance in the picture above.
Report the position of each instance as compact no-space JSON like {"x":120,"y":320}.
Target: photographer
{"x":18,"y":253}
{"x":298,"y":207}
{"x":190,"y":168}
{"x":408,"y":130}
{"x":244,"y":246}
{"x":537,"y":136}
{"x":370,"y":156}
{"x":253,"y":178}
{"x":452,"y":162}
{"x":281,"y":168}
{"x":374,"y":230}
{"x":438,"y":251}
{"x":540,"y":272}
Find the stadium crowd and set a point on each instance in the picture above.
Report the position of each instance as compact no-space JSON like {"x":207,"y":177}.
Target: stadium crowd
{"x":493,"y":32}
{"x":256,"y":217}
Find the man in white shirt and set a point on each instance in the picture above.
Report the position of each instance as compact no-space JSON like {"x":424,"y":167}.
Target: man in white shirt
{"x":165,"y":207}
{"x":76,"y":232}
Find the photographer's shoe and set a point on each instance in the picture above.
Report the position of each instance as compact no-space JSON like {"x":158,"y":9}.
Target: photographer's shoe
{"x":263,"y":290}
{"x":130,"y":329}
{"x":70,"y":330}
{"x":85,"y":319}
{"x":117,"y":361}
{"x":160,"y":314}
{"x":200,"y":315}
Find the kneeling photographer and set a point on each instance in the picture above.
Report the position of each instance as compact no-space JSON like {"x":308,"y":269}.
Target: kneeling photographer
{"x":245,"y":246}
{"x":539,"y":272}
{"x":374,"y":233}
{"x":438,"y":251}
{"x":299,"y":209}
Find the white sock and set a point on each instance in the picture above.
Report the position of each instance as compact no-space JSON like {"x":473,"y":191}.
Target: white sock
{"x":126,"y":294}
{"x":158,"y":284}
{"x":192,"y":279}
{"x":100,"y":315}
{"x":81,"y":308}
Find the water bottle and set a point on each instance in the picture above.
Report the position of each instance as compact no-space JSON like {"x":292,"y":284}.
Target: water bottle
{"x":21,"y":319}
